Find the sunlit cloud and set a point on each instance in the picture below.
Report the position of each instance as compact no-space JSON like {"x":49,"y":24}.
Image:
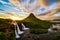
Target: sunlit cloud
{"x":47,"y":9}
{"x":16,"y":3}
{"x":11,"y":7}
{"x":13,"y":10}
{"x":25,"y":7}
{"x":53,"y":6}
{"x":43,"y":3}
{"x":28,"y":7}
{"x":57,"y":14}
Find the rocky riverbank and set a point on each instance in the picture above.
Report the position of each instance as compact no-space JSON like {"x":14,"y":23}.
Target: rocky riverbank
{"x":47,"y":36}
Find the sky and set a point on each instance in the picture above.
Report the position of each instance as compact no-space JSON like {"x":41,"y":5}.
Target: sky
{"x":19,"y":7}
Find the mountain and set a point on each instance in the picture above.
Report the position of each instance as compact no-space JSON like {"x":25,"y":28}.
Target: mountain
{"x":32,"y":22}
{"x":36,"y":26}
{"x":31,"y":18}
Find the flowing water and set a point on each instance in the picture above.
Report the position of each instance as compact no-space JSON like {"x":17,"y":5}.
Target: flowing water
{"x":17,"y":30}
{"x":23,"y":27}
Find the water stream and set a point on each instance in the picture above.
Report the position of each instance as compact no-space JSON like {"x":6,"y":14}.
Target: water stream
{"x":17,"y":30}
{"x":23,"y":27}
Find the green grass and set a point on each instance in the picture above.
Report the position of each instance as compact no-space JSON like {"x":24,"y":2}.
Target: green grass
{"x":3,"y":36}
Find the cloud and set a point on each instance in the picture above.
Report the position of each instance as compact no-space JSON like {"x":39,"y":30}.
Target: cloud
{"x":1,"y":10}
{"x":52,"y":6}
{"x":16,"y":7}
{"x":27,"y":6}
{"x":3,"y":2}
{"x":47,"y":9}
{"x":9,"y":7}
{"x":57,"y":14}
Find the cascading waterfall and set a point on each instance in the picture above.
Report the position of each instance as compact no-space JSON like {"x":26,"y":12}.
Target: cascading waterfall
{"x":23,"y":27}
{"x":19,"y":31}
{"x":16,"y":34}
{"x":50,"y":30}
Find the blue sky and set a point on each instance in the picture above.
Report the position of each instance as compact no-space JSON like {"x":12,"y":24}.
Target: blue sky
{"x":7,"y":6}
{"x":53,"y":1}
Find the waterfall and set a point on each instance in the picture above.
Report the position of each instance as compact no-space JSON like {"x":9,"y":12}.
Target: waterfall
{"x":16,"y":34}
{"x":50,"y":30}
{"x":19,"y":31}
{"x":23,"y":27}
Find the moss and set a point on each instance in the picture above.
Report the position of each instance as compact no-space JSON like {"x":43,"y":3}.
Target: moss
{"x":38,"y":31}
{"x":43,"y":25}
{"x":3,"y":36}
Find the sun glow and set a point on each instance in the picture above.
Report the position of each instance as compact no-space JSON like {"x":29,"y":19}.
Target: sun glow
{"x":16,"y":18}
